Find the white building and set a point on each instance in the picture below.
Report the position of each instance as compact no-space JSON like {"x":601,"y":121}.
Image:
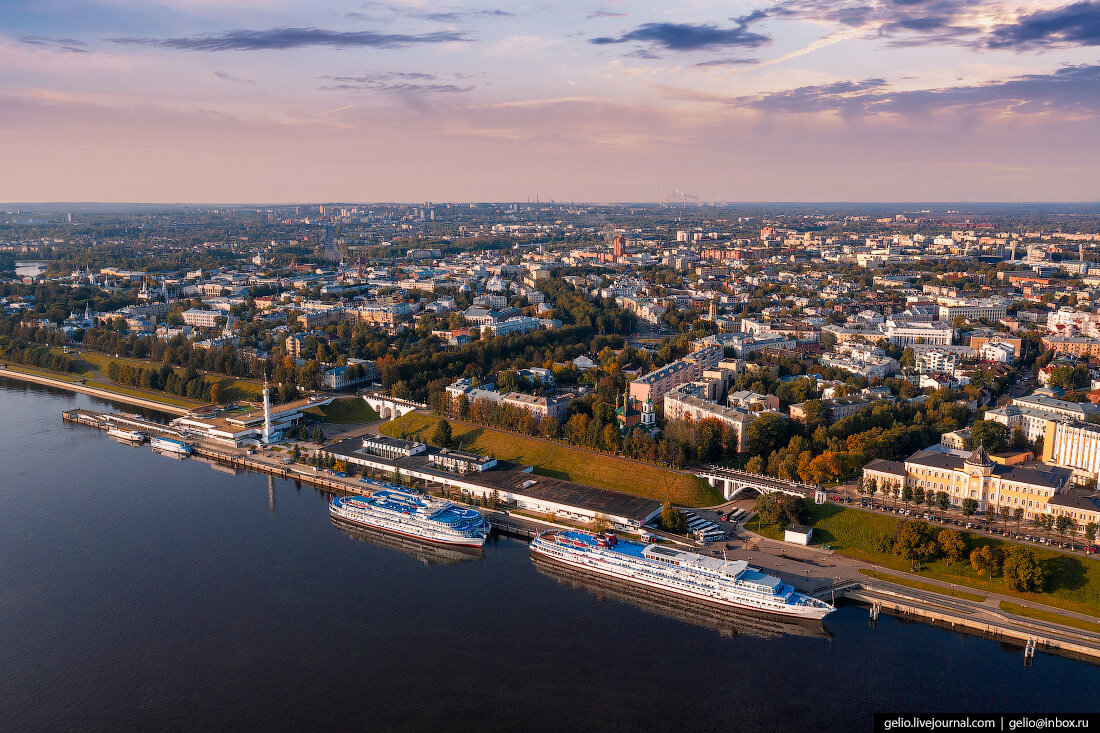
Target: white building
{"x":201,"y":318}
{"x":904,"y":333}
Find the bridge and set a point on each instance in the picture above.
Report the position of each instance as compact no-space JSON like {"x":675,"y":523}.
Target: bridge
{"x":733,"y":482}
{"x":391,"y":408}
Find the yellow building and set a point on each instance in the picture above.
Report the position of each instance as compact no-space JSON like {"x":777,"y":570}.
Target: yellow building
{"x":1037,"y":488}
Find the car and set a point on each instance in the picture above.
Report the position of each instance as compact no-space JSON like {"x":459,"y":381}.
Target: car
{"x":1089,"y":549}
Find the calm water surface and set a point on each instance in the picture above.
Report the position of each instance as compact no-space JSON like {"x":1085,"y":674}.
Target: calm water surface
{"x":139,"y":591}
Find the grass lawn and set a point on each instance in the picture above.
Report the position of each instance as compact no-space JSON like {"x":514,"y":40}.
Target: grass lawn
{"x":231,"y":390}
{"x":63,"y":376}
{"x":564,"y":462}
{"x":151,"y":395}
{"x":345,"y":411}
{"x":1053,"y":618}
{"x":910,"y":583}
{"x":1072,"y":582}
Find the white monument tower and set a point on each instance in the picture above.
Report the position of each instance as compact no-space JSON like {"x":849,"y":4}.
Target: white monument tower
{"x":268,"y":437}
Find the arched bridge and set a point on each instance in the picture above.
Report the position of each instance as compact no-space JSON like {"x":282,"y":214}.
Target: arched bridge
{"x":733,"y":482}
{"x":391,"y":408}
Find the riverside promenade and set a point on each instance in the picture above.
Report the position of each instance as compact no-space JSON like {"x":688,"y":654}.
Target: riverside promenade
{"x":77,"y":386}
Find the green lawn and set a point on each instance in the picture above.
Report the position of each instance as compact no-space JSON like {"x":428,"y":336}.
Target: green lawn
{"x":63,"y":376}
{"x":1072,"y":582}
{"x":151,"y":395}
{"x":562,"y":461}
{"x":910,"y":583}
{"x":1054,"y":618}
{"x":345,"y":411}
{"x":231,"y":390}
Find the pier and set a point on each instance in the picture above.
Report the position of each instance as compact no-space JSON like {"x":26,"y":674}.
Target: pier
{"x":880,"y":596}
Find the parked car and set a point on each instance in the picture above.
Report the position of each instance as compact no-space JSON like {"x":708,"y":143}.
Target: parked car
{"x":1089,"y":549}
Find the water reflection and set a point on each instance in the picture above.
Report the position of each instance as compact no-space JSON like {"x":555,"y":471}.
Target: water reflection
{"x":726,"y":621}
{"x":427,"y":552}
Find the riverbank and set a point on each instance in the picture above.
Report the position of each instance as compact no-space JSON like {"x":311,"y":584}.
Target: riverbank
{"x":76,"y":386}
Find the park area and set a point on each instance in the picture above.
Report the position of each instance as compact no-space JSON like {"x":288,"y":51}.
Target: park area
{"x":1069,"y":582}
{"x":564,"y":462}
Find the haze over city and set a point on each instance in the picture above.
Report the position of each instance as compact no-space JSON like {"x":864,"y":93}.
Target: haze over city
{"x":275,"y":101}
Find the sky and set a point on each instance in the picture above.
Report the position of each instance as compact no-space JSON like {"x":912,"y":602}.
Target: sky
{"x":269,"y":101}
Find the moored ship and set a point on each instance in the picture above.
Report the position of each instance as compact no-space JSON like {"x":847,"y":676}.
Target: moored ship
{"x":412,"y":515}
{"x":727,"y":583}
{"x":168,"y":445}
{"x":133,"y":436}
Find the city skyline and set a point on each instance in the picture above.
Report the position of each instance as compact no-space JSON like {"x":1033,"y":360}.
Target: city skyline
{"x":801,"y":100}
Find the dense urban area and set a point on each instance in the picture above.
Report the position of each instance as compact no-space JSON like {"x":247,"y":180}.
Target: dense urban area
{"x":942,"y":365}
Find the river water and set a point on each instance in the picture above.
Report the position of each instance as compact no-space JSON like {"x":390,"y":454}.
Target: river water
{"x":139,"y":591}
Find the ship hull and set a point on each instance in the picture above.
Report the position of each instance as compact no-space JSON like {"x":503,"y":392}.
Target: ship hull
{"x":813,"y":614}
{"x":406,"y":531}
{"x":170,"y":447}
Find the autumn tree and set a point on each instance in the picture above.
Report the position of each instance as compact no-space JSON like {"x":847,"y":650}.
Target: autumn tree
{"x":953,"y":544}
{"x":1022,"y":571}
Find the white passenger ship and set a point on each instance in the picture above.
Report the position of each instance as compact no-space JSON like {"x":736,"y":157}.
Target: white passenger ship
{"x":134,"y":436}
{"x":728,"y":583}
{"x":168,"y":445}
{"x":413,"y":516}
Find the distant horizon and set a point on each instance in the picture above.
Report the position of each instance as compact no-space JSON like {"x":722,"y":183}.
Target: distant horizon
{"x":577,"y":202}
{"x":394,"y":100}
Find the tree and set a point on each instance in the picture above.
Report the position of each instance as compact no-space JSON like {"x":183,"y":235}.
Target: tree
{"x":1090,"y":531}
{"x":983,"y":559}
{"x":441,"y":435}
{"x":672,"y":519}
{"x":296,"y":452}
{"x":215,"y":392}
{"x":318,"y":434}
{"x":600,"y":522}
{"x":872,"y":489}
{"x":992,"y":435}
{"x":943,"y":501}
{"x":969,"y":506}
{"x":780,"y":509}
{"x":1018,"y":515}
{"x":340,"y":466}
{"x":918,"y":496}
{"x":766,"y":434}
{"x":907,"y":494}
{"x":1061,"y":524}
{"x":1022,"y":571}
{"x":913,"y":541}
{"x":755,"y":465}
{"x":990,"y":516}
{"x":550,"y":427}
{"x":953,"y":544}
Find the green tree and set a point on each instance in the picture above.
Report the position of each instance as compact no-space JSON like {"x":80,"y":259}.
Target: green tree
{"x":441,"y":435}
{"x":318,"y":434}
{"x":1022,"y":571}
{"x":780,"y":509}
{"x":907,"y":494}
{"x":969,"y":506}
{"x":672,"y":519}
{"x":766,"y":434}
{"x":943,"y":501}
{"x":992,"y":435}
{"x":953,"y":544}
{"x":1018,"y":515}
{"x":914,"y":542}
{"x":1090,"y":531}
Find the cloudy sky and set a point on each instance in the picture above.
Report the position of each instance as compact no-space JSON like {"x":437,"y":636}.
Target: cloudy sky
{"x":797,"y":100}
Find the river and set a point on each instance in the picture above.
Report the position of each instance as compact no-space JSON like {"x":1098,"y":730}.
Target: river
{"x":139,"y":591}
